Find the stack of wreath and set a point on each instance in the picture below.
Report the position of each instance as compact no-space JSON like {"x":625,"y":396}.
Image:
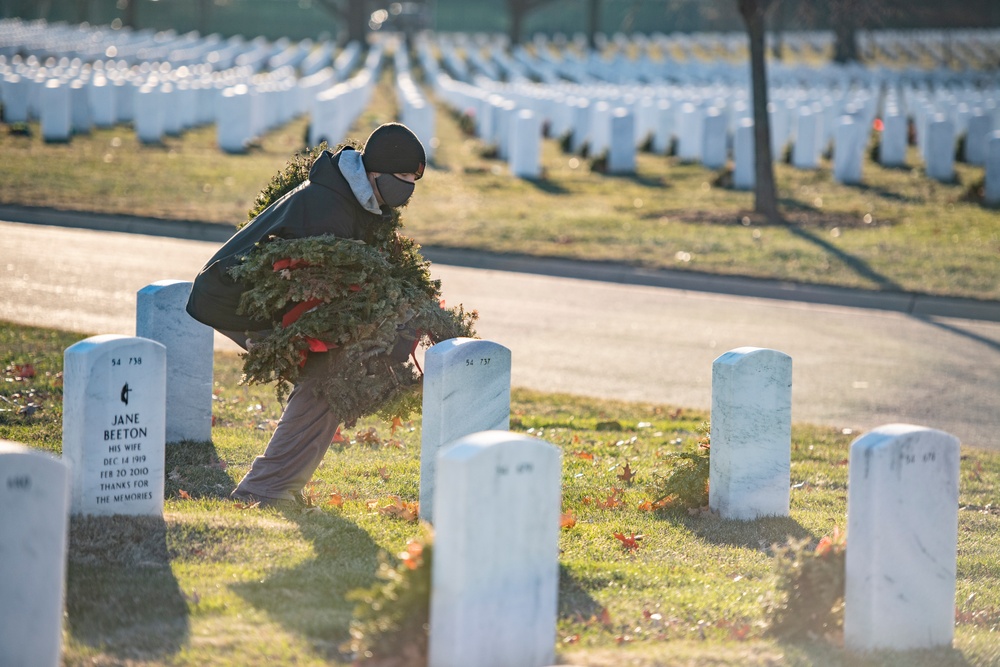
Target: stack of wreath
{"x":346,"y":305}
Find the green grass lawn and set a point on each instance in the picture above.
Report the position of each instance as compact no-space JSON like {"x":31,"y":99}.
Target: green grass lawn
{"x":214,"y":583}
{"x":899,"y":231}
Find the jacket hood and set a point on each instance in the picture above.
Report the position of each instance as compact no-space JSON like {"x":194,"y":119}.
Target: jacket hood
{"x":353,"y":170}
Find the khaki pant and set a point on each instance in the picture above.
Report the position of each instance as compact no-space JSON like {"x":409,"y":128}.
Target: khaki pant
{"x":300,"y":440}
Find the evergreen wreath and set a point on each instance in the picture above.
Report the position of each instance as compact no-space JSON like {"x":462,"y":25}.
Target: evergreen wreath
{"x":343,"y":304}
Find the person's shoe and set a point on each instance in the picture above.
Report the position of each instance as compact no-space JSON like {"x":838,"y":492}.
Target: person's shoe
{"x":253,"y":500}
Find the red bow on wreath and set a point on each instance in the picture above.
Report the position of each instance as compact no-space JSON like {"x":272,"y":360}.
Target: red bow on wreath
{"x":315,"y":344}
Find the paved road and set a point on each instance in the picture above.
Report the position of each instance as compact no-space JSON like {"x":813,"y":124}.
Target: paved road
{"x":852,"y":368}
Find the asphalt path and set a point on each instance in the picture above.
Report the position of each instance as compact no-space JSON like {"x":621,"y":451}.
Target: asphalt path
{"x":853,"y":368}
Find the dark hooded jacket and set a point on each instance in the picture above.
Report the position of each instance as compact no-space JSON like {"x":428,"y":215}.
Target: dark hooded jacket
{"x":324,"y":204}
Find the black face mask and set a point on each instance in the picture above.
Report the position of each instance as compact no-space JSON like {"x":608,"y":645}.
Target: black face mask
{"x":394,"y":191}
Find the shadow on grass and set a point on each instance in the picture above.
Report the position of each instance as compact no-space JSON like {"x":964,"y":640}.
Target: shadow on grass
{"x":574,"y":600}
{"x":888,"y":194}
{"x":546,"y":185}
{"x":859,"y":266}
{"x":195,"y":468}
{"x":310,"y":598}
{"x":121,"y":595}
{"x":759,"y":534}
{"x":820,"y":652}
{"x":639,"y":179}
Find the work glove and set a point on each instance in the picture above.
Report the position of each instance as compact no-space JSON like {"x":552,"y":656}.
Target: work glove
{"x":406,"y":341}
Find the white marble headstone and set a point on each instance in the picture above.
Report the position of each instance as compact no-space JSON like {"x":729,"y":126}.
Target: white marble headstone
{"x":114,"y":396}
{"x":56,"y":114}
{"x":645,"y":121}
{"x":976,"y":135}
{"x":34,"y":522}
{"x":621,"y":151}
{"x":902,"y":528}
{"x":234,"y":122}
{"x":744,"y":157}
{"x":466,"y":390}
{"x":892,"y":149}
{"x":805,"y":152}
{"x":663,"y":132}
{"x":779,"y":115}
{"x":160,"y":315}
{"x":102,"y":102}
{"x":848,"y":151}
{"x":690,"y":128}
{"x":505,"y":112}
{"x":941,"y":149}
{"x":124,"y":104}
{"x":15,"y":98}
{"x":495,"y":572}
{"x":991,"y":194}
{"x":526,"y":145}
{"x":580,"y":133}
{"x":715,"y":140}
{"x":172,"y":115}
{"x":79,"y":107}
{"x":750,"y":465}
{"x":148,"y":114}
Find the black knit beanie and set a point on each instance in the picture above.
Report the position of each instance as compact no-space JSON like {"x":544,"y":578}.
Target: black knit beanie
{"x":393,"y":149}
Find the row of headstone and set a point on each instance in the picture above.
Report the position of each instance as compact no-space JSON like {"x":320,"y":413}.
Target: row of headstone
{"x":618,"y":60}
{"x":159,"y":101}
{"x":902,"y":510}
{"x":688,"y":60}
{"x":660,"y":114}
{"x":902,"y":501}
{"x":494,"y":498}
{"x":515,"y":133}
{"x":991,"y":191}
{"x":41,"y":40}
{"x":246,"y":111}
{"x":701,"y":57}
{"x":902,"y":515}
{"x":703,"y":120}
{"x":112,"y":463}
{"x":333,"y":110}
{"x":702,"y":133}
{"x":191,"y":82}
{"x":415,"y":110}
{"x":124,"y":397}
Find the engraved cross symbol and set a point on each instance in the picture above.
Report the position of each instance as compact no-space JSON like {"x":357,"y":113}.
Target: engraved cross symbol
{"x":125,"y":393}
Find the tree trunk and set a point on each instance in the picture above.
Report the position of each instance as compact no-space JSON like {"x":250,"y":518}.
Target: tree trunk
{"x":82,"y":11}
{"x":204,"y":9}
{"x":130,"y":16}
{"x":42,"y":9}
{"x":517,"y":12}
{"x":593,"y":22}
{"x":845,"y":30}
{"x":778,"y":27}
{"x":357,"y":21}
{"x":765,"y":197}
